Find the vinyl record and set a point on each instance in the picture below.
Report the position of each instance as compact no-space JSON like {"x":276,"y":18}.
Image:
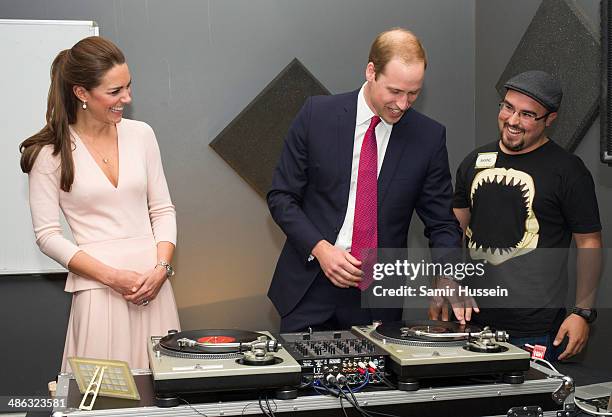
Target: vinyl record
{"x":406,"y":330}
{"x":211,"y":338}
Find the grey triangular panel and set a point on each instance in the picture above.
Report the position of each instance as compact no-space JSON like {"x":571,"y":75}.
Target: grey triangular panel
{"x":252,"y":142}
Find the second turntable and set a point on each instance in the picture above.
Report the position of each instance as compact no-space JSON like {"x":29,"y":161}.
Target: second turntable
{"x":434,"y":349}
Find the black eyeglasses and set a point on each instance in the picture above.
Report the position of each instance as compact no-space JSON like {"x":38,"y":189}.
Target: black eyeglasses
{"x":506,"y":109}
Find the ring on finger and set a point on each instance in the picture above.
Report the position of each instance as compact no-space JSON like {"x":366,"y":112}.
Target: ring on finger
{"x":145,"y":302}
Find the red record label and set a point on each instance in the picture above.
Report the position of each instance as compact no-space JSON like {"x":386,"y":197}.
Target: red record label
{"x":217,"y":339}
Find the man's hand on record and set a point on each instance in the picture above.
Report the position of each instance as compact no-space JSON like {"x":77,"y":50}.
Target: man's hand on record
{"x":438,"y":309}
{"x":463,"y":307}
{"x":339,"y":266}
{"x":577,"y":331}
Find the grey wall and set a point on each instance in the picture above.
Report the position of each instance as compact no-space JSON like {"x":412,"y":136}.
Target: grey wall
{"x":499,"y":28}
{"x":195,"y":65}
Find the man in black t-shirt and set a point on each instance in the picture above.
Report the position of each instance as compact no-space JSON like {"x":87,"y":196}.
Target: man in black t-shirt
{"x":524,"y":192}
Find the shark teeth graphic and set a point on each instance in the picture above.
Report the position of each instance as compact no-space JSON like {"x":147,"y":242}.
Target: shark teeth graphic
{"x":529,"y":241}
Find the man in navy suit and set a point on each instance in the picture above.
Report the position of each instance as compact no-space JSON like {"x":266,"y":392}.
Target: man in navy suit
{"x":322,"y":191}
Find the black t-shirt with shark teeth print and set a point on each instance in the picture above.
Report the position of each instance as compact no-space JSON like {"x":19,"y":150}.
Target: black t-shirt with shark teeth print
{"x":519,"y":203}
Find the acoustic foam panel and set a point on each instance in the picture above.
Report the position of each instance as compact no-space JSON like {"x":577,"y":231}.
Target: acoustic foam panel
{"x":251,"y":143}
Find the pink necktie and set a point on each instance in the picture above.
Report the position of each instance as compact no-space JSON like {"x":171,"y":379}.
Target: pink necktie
{"x":365,"y":230}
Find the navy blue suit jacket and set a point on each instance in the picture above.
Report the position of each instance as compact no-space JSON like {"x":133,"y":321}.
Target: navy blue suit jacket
{"x":310,"y":187}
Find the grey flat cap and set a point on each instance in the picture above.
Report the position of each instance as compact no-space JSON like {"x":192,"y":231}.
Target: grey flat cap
{"x":538,"y":85}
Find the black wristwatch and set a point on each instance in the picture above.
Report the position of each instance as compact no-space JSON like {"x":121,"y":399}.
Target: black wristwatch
{"x":589,"y":314}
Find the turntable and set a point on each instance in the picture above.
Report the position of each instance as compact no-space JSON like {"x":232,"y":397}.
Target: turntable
{"x":200,"y":361}
{"x":433,"y":349}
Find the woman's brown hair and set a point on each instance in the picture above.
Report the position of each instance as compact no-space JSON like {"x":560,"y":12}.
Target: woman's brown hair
{"x":85,"y":64}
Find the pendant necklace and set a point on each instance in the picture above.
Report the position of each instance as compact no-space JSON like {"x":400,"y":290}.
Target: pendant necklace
{"x":105,"y":159}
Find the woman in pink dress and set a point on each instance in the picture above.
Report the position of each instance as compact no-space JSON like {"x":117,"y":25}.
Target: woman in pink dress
{"x":105,"y":174}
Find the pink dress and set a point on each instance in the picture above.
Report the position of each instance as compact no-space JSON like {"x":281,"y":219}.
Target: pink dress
{"x":118,"y":226}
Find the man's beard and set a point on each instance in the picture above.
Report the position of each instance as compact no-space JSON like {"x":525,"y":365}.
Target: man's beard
{"x":515,"y":148}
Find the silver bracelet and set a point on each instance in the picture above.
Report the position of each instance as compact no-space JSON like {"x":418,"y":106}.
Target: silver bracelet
{"x":168,"y":267}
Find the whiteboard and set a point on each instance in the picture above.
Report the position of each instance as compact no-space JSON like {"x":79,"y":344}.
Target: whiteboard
{"x":28,"y":48}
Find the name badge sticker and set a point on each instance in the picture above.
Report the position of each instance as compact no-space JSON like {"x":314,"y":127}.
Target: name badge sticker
{"x":486,"y":160}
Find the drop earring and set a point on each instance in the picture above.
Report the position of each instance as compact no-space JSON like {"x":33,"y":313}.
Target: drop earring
{"x":84,"y":105}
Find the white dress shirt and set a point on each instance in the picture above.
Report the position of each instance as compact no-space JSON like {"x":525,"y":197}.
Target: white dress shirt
{"x":383,"y":132}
